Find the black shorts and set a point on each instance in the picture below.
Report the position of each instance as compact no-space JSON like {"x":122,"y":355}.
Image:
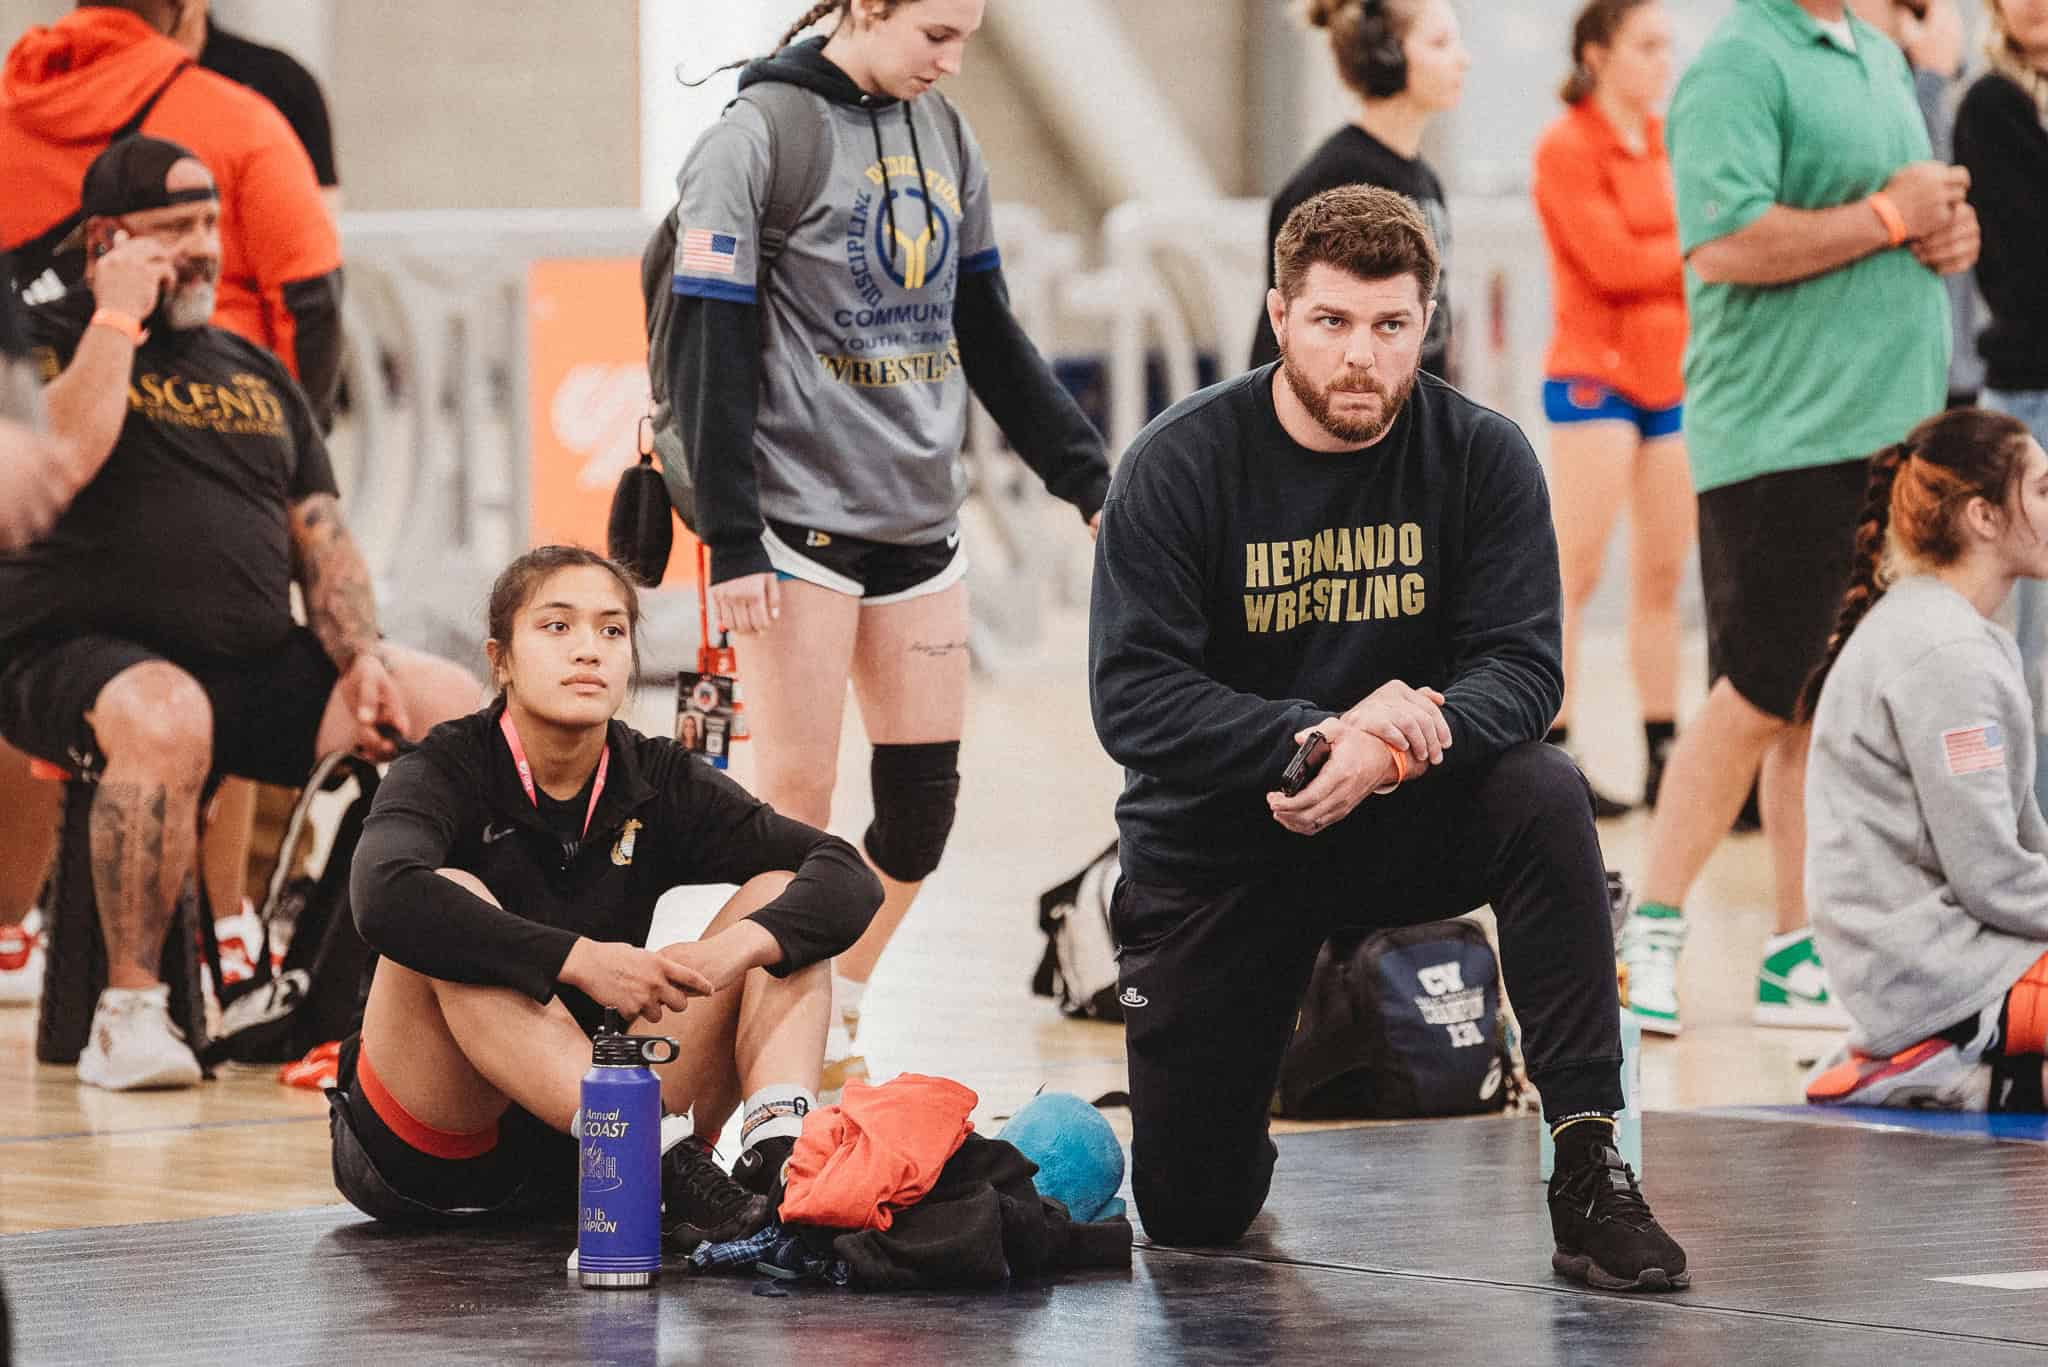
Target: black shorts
{"x":1775,"y":556}
{"x":876,"y":572}
{"x":531,"y":1172}
{"x":266,"y":708}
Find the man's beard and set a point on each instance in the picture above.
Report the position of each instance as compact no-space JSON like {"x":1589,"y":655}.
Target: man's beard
{"x":1362,"y":430}
{"x":189,"y":305}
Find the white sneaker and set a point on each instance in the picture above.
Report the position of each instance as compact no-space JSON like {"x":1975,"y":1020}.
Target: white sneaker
{"x":134,"y":1045}
{"x":21,"y":961}
{"x":1648,"y":948}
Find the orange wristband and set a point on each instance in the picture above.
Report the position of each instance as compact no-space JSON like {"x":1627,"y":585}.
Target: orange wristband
{"x":1889,"y":215}
{"x":1400,"y":771}
{"x":127,"y":324}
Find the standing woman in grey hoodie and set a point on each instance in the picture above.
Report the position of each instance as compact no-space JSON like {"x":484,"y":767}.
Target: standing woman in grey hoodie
{"x":1926,"y":853}
{"x":823,"y":407}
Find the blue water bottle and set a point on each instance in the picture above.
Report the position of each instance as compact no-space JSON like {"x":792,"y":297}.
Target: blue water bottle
{"x":618,"y":1225}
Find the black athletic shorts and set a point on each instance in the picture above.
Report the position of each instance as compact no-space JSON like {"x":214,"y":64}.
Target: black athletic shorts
{"x":531,"y":1171}
{"x":266,"y":708}
{"x":1775,"y":556}
{"x":876,"y":572}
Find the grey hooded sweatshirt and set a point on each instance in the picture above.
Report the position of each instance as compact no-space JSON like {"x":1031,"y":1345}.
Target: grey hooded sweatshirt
{"x":834,"y":395}
{"x":1926,"y":854}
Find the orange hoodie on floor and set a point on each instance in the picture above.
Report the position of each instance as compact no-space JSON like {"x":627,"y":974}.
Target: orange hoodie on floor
{"x":68,"y":87}
{"x":879,"y":1150}
{"x":1617,"y":280}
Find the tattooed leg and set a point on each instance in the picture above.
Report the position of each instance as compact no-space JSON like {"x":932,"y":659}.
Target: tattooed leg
{"x":155,"y":726}
{"x":910,"y":674}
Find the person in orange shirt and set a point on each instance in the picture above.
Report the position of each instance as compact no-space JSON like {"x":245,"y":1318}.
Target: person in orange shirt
{"x":68,"y":89}
{"x":1612,"y":388}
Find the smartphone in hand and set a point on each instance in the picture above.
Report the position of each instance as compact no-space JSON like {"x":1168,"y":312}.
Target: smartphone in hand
{"x":1303,"y":766}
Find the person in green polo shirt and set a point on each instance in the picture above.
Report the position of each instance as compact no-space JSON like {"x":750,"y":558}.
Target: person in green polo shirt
{"x":1816,"y":228}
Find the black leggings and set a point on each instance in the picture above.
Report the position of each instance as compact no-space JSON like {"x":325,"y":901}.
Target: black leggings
{"x":1212,"y":980}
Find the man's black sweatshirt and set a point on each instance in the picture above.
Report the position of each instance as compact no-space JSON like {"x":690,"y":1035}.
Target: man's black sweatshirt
{"x":663,"y":818}
{"x":1247,"y":587}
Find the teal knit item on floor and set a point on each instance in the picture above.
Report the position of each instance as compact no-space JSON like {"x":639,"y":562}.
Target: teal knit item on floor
{"x":1080,"y":1162}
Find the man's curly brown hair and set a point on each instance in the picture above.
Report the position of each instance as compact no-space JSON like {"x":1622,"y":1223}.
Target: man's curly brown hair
{"x":1362,"y":230}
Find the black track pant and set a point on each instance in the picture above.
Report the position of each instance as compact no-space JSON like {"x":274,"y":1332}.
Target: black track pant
{"x":1212,"y":980}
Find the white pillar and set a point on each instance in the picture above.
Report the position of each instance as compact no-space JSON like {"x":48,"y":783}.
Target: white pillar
{"x":1102,"y":98}
{"x":685,"y":39}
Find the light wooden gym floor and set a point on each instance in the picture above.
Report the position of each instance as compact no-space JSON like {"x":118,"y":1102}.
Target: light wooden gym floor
{"x":952,"y":998}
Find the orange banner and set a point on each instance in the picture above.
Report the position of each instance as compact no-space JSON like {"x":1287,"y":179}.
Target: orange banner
{"x":586,"y":385}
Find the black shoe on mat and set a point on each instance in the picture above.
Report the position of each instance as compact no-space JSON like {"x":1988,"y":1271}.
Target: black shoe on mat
{"x":759,"y":1169}
{"x":700,"y":1204}
{"x":1606,"y":1235}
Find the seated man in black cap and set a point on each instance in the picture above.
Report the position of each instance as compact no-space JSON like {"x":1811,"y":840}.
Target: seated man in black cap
{"x":147,"y":638}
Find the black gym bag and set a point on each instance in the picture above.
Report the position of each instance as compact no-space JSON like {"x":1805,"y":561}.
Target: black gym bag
{"x":316,"y":993}
{"x":1399,"y":1023}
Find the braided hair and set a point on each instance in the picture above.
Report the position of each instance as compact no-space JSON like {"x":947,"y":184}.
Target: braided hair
{"x":812,"y":16}
{"x":1912,"y":512}
{"x":816,"y":14}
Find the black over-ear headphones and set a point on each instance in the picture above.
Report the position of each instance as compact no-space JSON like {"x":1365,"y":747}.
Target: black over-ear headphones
{"x":1385,"y":71}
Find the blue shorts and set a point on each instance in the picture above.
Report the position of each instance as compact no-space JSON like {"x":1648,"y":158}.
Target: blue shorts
{"x":1569,"y":401}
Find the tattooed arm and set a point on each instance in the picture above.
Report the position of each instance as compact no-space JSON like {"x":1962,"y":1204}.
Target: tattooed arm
{"x":340,"y":605}
{"x":341,"y":609}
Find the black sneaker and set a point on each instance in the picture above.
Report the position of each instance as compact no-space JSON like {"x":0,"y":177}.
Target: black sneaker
{"x":759,"y":1169}
{"x":700,"y":1204}
{"x":1605,"y":807}
{"x":1606,"y":1235}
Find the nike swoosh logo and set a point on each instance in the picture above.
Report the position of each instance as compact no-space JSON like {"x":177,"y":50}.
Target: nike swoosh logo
{"x":1791,"y":989}
{"x":493,"y":834}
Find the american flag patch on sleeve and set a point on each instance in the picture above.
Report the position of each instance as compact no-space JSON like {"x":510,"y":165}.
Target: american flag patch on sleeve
{"x":703,"y":252}
{"x":1973,"y":749}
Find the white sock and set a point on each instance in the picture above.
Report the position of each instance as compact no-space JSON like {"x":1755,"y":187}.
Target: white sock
{"x":775,"y":1112}
{"x":846,"y":995}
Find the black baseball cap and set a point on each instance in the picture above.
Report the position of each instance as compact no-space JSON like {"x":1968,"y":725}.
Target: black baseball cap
{"x":132,"y":175}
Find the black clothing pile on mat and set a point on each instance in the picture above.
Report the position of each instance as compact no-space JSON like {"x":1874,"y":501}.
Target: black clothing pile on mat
{"x":983,"y":1223}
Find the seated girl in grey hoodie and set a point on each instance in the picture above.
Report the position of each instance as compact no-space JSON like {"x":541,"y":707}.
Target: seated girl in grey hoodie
{"x":1926,"y":853}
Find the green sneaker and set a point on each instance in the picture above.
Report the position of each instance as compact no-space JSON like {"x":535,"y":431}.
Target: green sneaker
{"x":1792,"y":987}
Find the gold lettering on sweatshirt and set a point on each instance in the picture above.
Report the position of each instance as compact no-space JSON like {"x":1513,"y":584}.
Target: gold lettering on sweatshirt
{"x":1338,"y":575}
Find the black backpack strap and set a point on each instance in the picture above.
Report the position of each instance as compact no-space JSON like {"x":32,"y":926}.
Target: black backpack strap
{"x":36,"y":255}
{"x":148,"y":106}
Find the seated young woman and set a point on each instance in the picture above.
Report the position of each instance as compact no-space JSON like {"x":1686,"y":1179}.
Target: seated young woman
{"x":508,"y":874}
{"x":1926,"y":854}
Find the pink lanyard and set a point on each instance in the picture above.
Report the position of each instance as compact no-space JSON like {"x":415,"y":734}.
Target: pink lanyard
{"x":526,"y":770}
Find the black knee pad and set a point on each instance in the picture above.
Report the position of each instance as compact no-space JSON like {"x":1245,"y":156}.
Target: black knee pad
{"x":917,"y":789}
